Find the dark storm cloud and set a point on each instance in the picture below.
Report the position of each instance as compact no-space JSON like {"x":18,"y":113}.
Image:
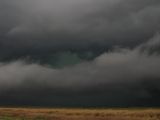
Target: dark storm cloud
{"x":37,"y":27}
{"x":122,"y":77}
{"x":61,"y":34}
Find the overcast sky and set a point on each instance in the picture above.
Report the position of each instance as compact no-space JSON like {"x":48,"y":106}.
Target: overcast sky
{"x":80,"y":52}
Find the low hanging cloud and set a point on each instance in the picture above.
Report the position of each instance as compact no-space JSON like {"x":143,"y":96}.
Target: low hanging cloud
{"x":122,"y":77}
{"x":80,"y":52}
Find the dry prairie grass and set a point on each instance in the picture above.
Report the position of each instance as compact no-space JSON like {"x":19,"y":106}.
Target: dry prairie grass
{"x":78,"y":114}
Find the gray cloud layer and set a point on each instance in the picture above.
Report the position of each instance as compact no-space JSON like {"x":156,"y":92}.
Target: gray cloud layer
{"x":119,"y":37}
{"x":122,"y":77}
{"x":37,"y":27}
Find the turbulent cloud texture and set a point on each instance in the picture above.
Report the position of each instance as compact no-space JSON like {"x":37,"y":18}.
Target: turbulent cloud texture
{"x":36,"y":27}
{"x":120,"y":77}
{"x":80,"y":52}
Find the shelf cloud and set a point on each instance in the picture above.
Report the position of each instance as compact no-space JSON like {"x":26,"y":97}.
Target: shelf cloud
{"x":122,"y":76}
{"x":80,"y":52}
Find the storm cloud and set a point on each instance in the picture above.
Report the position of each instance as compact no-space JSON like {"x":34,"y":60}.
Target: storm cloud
{"x":80,"y":52}
{"x":39,"y":28}
{"x":120,"y":77}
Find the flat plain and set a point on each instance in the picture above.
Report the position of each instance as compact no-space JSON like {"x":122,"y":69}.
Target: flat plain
{"x":78,"y":114}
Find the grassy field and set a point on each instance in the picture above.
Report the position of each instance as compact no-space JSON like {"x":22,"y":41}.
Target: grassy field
{"x":78,"y":114}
